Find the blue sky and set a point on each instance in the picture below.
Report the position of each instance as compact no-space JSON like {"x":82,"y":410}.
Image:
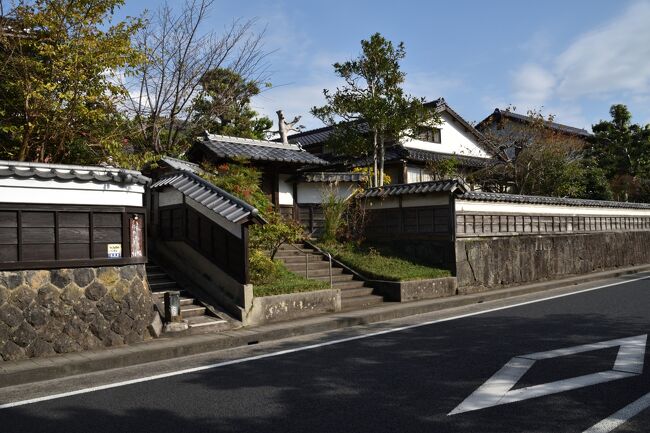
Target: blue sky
{"x":573,"y":58}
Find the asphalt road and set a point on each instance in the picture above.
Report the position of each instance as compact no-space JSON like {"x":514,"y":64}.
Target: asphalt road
{"x":403,"y":381}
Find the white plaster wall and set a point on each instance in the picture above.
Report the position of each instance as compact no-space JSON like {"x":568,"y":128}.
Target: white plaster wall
{"x":416,"y":200}
{"x":70,"y":192}
{"x":285,"y":189}
{"x":312,"y":192}
{"x":454,"y":138}
{"x":533,"y":209}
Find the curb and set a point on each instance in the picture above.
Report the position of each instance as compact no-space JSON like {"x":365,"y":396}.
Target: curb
{"x":41,"y":369}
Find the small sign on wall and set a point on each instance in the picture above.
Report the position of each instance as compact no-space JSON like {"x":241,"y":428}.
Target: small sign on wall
{"x":114,"y":251}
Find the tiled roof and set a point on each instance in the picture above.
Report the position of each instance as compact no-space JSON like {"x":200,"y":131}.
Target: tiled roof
{"x":534,"y":199}
{"x":212,"y":197}
{"x":449,"y":185}
{"x":325,"y":176}
{"x":398,"y":152}
{"x":320,"y":135}
{"x":62,"y":172}
{"x":224,"y":146}
{"x":521,"y":118}
{"x":179,"y":164}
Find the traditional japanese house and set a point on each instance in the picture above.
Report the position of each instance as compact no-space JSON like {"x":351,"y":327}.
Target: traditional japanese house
{"x":410,"y":160}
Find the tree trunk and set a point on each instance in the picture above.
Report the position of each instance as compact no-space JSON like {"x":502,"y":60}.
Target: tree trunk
{"x":382,"y":152}
{"x":374,"y":159}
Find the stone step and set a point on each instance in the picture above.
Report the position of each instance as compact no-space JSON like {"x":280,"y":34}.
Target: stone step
{"x":192,"y":311}
{"x":313,"y":273}
{"x":353,"y":293}
{"x":153,"y":268}
{"x":159,"y":278}
{"x":343,"y":285}
{"x":360,"y":302}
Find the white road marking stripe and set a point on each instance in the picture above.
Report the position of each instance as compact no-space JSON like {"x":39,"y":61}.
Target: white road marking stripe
{"x":621,"y":417}
{"x":297,"y":349}
{"x":497,"y":390}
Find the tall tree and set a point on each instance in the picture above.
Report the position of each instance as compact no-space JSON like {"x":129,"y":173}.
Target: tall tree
{"x":372,"y":107}
{"x":224,"y":106}
{"x":622,"y":150}
{"x":180,"y":52}
{"x":58,"y":61}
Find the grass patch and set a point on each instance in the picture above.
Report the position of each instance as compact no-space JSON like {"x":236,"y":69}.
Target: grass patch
{"x":287,"y":282}
{"x":381,"y":265}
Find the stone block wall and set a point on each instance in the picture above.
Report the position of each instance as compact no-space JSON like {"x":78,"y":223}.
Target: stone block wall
{"x":45,"y":312}
{"x":488,"y":263}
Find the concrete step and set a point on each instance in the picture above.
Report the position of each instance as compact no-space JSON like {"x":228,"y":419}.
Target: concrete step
{"x":335,"y":278}
{"x":312,"y":266}
{"x":313,"y":258}
{"x":313,"y":273}
{"x":359,"y":302}
{"x":164,"y":285}
{"x":343,"y":285}
{"x":157,"y":276}
{"x":201,"y":321}
{"x":192,"y":311}
{"x":295,"y":253}
{"x":293,"y":246}
{"x":161,"y":294}
{"x":353,"y":293}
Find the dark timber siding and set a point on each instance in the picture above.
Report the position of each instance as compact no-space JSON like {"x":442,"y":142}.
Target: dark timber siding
{"x":182,"y":223}
{"x":470,"y":225}
{"x":50,"y":236}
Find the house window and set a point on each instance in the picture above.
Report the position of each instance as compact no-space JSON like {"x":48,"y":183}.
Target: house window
{"x":432,"y":135}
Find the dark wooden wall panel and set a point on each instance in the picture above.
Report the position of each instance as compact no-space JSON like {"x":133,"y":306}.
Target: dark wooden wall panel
{"x":8,"y":235}
{"x":8,"y":219}
{"x":182,"y":223}
{"x":469,"y":224}
{"x":60,"y":236}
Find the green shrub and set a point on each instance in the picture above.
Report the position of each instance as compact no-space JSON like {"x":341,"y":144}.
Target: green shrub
{"x":262,"y":269}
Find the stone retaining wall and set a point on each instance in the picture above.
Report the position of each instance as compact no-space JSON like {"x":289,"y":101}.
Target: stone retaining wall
{"x":45,"y":312}
{"x":278,"y":308}
{"x":406,"y":291}
{"x":487,"y":263}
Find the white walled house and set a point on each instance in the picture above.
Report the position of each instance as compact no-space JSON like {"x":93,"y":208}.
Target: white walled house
{"x":407,"y":160}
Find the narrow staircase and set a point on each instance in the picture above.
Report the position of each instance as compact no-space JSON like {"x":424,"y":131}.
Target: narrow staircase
{"x":199,"y":318}
{"x":306,"y":261}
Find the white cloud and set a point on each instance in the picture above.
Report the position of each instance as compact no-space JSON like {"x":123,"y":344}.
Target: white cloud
{"x":533,"y":85}
{"x":613,"y":58}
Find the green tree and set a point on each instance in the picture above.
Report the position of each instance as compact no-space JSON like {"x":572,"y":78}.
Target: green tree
{"x":57,"y":86}
{"x":622,"y":150}
{"x":372,"y":108}
{"x":223,"y":106}
{"x":543,"y":161}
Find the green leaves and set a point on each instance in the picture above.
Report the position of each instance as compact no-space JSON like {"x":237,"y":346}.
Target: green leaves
{"x":372,"y":107}
{"x":55,"y":80}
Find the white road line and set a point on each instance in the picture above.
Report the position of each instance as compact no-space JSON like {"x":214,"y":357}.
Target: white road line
{"x":497,"y":390}
{"x":297,"y":349}
{"x":621,"y":417}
